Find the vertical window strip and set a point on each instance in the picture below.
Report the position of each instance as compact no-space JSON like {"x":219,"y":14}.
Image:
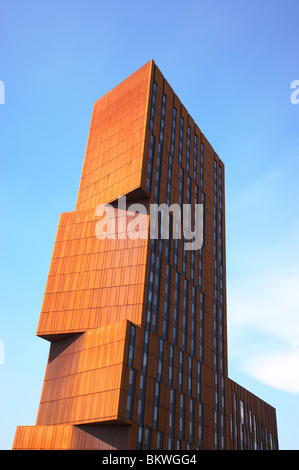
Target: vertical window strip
{"x":188,"y":150}
{"x":193,"y":337}
{"x":131,"y":345}
{"x":150,"y":164}
{"x":171,"y":419}
{"x":189,"y":376}
{"x":170,"y":365}
{"x":166,"y":302}
{"x":216,"y":312}
{"x":195,"y":158}
{"x":132,"y":373}
{"x":191,"y":422}
{"x":156,"y":405}
{"x":201,"y":165}
{"x":236,"y":422}
{"x":180,"y":382}
{"x":182,"y":416}
{"x":222,"y":339}
{"x":200,"y":269}
{"x":157,"y":384}
{"x":131,"y":391}
{"x":176,"y":308}
{"x":160,"y":149}
{"x":159,"y":440}
{"x":147,"y":438}
{"x":181,"y":139}
{"x":157,"y":285}
{"x":153,"y":104}
{"x":201,"y":330}
{"x":201,"y":424}
{"x":185,"y":314}
{"x":141,"y":397}
{"x":152,"y":140}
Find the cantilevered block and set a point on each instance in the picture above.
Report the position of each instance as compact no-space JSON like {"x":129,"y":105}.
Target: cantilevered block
{"x":95,"y":280}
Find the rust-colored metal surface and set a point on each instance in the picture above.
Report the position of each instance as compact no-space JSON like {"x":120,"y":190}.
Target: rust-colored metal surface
{"x":137,"y":326}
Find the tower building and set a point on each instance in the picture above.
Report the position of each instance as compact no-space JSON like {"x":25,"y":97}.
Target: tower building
{"x":137,"y":324}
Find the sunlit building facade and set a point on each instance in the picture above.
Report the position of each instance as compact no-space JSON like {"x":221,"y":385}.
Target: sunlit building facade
{"x":137,"y":325}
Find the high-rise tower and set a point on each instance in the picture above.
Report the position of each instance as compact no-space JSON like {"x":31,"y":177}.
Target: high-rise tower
{"x":137,"y":324}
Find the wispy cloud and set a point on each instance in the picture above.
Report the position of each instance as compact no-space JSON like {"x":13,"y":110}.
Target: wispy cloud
{"x":263,"y":306}
{"x":278,"y":369}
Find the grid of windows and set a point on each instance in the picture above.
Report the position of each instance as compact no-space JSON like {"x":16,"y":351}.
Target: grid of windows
{"x":191,"y":182}
{"x":151,"y":295}
{"x":195,"y":287}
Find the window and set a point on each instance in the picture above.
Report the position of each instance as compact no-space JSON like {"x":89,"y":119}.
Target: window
{"x":180,"y":370}
{"x":182,"y":416}
{"x":153,"y":104}
{"x":147,"y":438}
{"x":156,"y":405}
{"x":166,"y":302}
{"x":195,"y":158}
{"x":189,"y":376}
{"x":188,"y":150}
{"x":131,"y":345}
{"x":159,"y":440}
{"x":170,"y":365}
{"x":130,"y":399}
{"x":185,"y":314}
{"x":176,"y":308}
{"x":181,"y":139}
{"x":201,"y":165}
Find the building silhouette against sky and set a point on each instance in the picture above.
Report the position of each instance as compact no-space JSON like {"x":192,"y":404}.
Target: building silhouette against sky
{"x":137,"y":325}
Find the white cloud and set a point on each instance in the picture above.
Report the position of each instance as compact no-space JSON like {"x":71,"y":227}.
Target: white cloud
{"x":278,"y":369}
{"x":263,"y":314}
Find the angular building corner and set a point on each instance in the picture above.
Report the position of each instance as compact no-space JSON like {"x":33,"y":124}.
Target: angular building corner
{"x":137,"y":326}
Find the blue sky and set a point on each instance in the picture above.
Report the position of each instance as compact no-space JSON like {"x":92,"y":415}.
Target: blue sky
{"x":232,"y":64}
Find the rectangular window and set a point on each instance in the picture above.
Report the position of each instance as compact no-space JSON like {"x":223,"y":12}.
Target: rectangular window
{"x":166,"y":302}
{"x":193,"y":337}
{"x":182,"y":416}
{"x":170,"y":365}
{"x":131,"y":391}
{"x":181,"y":139}
{"x":131,"y":345}
{"x":153,"y":104}
{"x":188,"y":150}
{"x":201,"y":424}
{"x":150,"y":164}
{"x":156,"y":405}
{"x":171,"y":418}
{"x":191,"y":429}
{"x":180,"y":371}
{"x":147,"y":438}
{"x":195,"y":158}
{"x":198,"y":381}
{"x":201,"y":332}
{"x":189,"y":376}
{"x":176,"y":308}
{"x":201,"y":165}
{"x":159,"y":440}
{"x":160,"y":360}
{"x":185,"y":314}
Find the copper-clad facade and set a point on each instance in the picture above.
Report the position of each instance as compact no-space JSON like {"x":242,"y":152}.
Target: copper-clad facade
{"x":137,"y":325}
